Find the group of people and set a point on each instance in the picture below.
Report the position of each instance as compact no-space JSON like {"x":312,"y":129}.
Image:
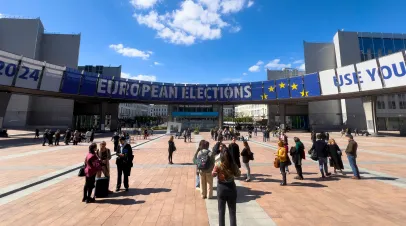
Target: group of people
{"x":223,"y":163}
{"x":225,"y":133}
{"x":48,"y":137}
{"x":324,"y":150}
{"x":97,"y":162}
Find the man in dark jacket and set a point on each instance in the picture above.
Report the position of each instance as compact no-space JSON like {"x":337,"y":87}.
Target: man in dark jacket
{"x":235,"y":152}
{"x":351,"y":152}
{"x":313,"y":136}
{"x":67,"y":137}
{"x":115,"y":140}
{"x":216,"y":147}
{"x":321,"y":149}
{"x":124,"y":163}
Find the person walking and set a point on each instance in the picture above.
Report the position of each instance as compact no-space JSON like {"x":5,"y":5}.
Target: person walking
{"x":104,"y":154}
{"x":124,"y":163}
{"x":226,"y":170}
{"x":57,"y":137}
{"x":50,"y":137}
{"x":297,"y":153}
{"x":189,"y":135}
{"x":247,"y":155}
{"x":288,"y":162}
{"x":235,"y":152}
{"x":45,"y":137}
{"x":321,"y":149}
{"x":201,"y":147}
{"x":92,"y":167}
{"x":76,"y":137}
{"x":36,"y":134}
{"x":91,"y":135}
{"x":282,"y":155}
{"x":351,"y":152}
{"x":68,"y":135}
{"x":335,"y":156}
{"x":204,"y":159}
{"x":171,"y":149}
{"x":115,"y":140}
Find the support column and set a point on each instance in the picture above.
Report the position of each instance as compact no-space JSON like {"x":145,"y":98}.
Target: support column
{"x":102,"y":110}
{"x":271,"y":117}
{"x":220,"y":111}
{"x":169,"y":116}
{"x":369,"y":104}
{"x":282,"y":115}
{"x":113,"y":112}
{"x":4,"y":99}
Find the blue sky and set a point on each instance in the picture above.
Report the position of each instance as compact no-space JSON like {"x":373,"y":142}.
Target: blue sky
{"x":205,"y":41}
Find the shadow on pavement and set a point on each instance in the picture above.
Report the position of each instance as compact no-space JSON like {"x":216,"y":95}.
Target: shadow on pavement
{"x":113,"y":198}
{"x":124,"y":202}
{"x":312,"y":185}
{"x":247,"y":194}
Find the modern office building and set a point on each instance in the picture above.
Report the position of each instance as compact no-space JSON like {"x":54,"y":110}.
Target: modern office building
{"x":228,"y":110}
{"x":351,"y":48}
{"x":158,"y":110}
{"x":104,"y":70}
{"x":204,"y":117}
{"x":27,"y":37}
{"x":256,"y":111}
{"x":130,"y":110}
{"x":284,"y":73}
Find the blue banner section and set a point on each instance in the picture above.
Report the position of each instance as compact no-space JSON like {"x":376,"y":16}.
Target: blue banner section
{"x":234,"y":92}
{"x":269,"y":90}
{"x":211,"y":92}
{"x":89,"y":84}
{"x":105,"y":86}
{"x":246,"y":91}
{"x":133,"y":89}
{"x":223,"y":92}
{"x":156,"y":91}
{"x":119,"y":88}
{"x":195,"y":114}
{"x":257,"y":91}
{"x":200,"y":93}
{"x":312,"y":85}
{"x":179,"y":92}
{"x":282,"y":88}
{"x":296,"y":87}
{"x":71,"y":81}
{"x":145,"y":90}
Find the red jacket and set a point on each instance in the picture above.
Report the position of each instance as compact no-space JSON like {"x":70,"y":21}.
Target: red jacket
{"x":92,"y":165}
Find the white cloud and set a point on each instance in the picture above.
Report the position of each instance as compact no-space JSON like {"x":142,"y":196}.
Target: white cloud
{"x":232,"y":6}
{"x":130,"y":52}
{"x":1,"y":15}
{"x":254,"y":68}
{"x":244,"y":73}
{"x":194,"y":20}
{"x":151,"y":78}
{"x":250,"y":3}
{"x":234,"y":80}
{"x":298,"y":62}
{"x":143,"y":4}
{"x":302,"y":67}
{"x":157,"y":63}
{"x":235,"y":29}
{"x":275,"y":64}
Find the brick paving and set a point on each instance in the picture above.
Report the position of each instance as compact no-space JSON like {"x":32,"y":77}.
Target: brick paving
{"x":161,"y":194}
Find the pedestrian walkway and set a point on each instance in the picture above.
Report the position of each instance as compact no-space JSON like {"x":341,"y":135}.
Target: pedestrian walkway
{"x":162,"y":194}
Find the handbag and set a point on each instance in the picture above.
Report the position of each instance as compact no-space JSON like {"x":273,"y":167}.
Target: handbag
{"x":82,"y":171}
{"x":276,"y":163}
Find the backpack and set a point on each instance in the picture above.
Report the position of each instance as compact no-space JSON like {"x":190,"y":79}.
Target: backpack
{"x":203,"y":161}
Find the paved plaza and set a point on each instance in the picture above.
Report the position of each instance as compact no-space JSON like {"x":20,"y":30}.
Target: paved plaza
{"x":39,"y":186}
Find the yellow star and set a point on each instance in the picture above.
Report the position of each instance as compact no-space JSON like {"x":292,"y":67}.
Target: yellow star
{"x":307,"y":93}
{"x":264,"y":97}
{"x":303,"y":93}
{"x":282,"y":85}
{"x":271,"y":89}
{"x":294,"y":86}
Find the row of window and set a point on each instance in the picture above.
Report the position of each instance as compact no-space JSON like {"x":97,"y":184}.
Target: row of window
{"x":370,"y":48}
{"x":381,"y":104}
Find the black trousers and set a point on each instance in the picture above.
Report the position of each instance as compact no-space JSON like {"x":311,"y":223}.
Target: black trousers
{"x":283,"y":171}
{"x":122,"y":170}
{"x":227,"y":194}
{"x":56,"y":141}
{"x":170,"y":156}
{"x":88,"y":188}
{"x":299,"y":170}
{"x":45,"y":140}
{"x":115,"y":147}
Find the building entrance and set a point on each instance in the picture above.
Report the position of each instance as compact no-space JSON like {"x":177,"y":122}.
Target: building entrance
{"x":298,"y":122}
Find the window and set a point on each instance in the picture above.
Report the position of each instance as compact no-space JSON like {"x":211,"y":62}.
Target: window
{"x":389,"y":47}
{"x":378,"y":47}
{"x":402,"y":101}
{"x":399,"y":45}
{"x":391,"y":102}
{"x":88,"y":68}
{"x":99,"y":69}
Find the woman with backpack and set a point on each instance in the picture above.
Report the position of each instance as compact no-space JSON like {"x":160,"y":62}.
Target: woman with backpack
{"x":171,"y":149}
{"x":204,"y":159}
{"x":247,"y":155}
{"x":225,"y":171}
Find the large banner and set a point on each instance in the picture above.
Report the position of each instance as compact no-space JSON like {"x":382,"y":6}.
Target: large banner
{"x":89,"y":84}
{"x":369,"y":75}
{"x":328,"y":81}
{"x":282,"y":88}
{"x":8,"y":67}
{"x":347,"y":79}
{"x":52,"y":77}
{"x":269,"y":90}
{"x":296,"y":87}
{"x":71,"y":81}
{"x":311,"y":85}
{"x":29,"y":73}
{"x":393,"y":70}
{"x":257,"y":91}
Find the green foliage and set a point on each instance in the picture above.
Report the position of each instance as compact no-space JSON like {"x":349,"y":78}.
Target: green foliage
{"x":196,"y":131}
{"x":239,"y":119}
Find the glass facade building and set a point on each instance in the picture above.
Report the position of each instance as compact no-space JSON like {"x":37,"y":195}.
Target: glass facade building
{"x":373,"y":47}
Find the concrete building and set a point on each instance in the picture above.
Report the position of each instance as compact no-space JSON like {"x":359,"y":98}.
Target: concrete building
{"x":104,"y":70}
{"x":350,"y":48}
{"x":228,"y":110}
{"x":256,"y":111}
{"x":129,"y":110}
{"x":158,"y":110}
{"x":284,"y":73}
{"x":27,"y":37}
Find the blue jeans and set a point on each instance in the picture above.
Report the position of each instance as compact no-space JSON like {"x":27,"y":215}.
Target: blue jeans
{"x":353,"y":163}
{"x":197,"y":180}
{"x":323,"y":164}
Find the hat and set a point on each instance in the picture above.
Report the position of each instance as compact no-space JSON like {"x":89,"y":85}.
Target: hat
{"x":349,"y":136}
